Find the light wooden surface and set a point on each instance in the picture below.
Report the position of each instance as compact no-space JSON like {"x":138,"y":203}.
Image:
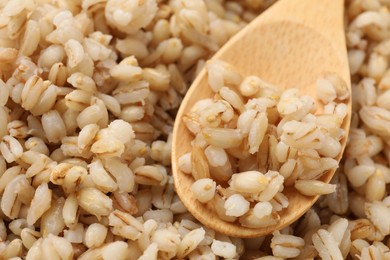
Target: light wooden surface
{"x":291,"y":44}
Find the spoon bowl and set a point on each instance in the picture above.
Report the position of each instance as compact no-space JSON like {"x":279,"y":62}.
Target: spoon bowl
{"x":292,"y":44}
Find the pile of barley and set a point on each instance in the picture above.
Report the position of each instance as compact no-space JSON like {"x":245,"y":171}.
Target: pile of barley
{"x":88,"y":94}
{"x":254,"y":139}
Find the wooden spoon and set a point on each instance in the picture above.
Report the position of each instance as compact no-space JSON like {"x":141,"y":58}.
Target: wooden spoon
{"x":291,"y":44}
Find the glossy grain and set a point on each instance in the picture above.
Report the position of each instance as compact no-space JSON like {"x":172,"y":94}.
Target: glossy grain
{"x":291,"y":44}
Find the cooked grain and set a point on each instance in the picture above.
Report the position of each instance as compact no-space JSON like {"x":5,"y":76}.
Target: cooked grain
{"x":70,"y":70}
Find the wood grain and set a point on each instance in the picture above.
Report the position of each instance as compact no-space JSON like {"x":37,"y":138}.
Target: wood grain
{"x":291,"y":44}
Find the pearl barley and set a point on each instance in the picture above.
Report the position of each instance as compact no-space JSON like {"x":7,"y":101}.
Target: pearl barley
{"x":203,"y":189}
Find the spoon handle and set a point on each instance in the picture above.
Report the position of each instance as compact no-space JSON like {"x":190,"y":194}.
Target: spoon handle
{"x":324,"y":16}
